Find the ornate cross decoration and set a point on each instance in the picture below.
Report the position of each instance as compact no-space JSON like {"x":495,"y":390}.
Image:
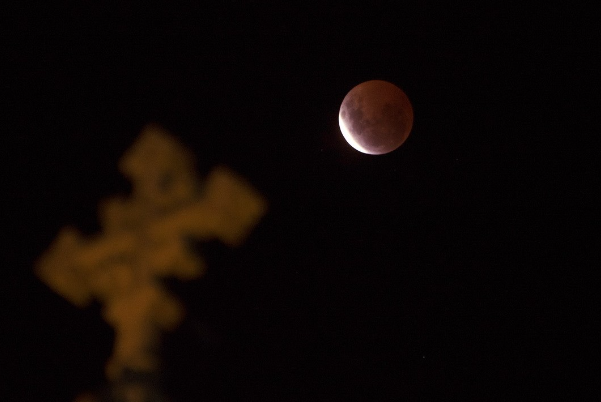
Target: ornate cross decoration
{"x":144,"y":238}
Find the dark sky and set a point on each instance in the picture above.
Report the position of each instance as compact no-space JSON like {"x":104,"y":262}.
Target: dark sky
{"x":460,"y":265}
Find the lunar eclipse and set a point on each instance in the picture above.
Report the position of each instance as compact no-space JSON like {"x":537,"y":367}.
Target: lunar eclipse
{"x":376,"y":117}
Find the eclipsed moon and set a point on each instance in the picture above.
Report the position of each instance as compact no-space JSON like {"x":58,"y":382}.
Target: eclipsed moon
{"x":375,"y":117}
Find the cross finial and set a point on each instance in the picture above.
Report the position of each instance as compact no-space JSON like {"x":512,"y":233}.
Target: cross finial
{"x":144,"y":238}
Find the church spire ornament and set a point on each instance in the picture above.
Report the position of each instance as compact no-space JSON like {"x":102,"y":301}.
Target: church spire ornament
{"x":145,"y":237}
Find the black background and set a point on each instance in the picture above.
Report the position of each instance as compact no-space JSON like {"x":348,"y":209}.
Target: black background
{"x":460,"y":265}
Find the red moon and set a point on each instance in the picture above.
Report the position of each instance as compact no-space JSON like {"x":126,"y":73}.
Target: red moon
{"x":375,"y":117}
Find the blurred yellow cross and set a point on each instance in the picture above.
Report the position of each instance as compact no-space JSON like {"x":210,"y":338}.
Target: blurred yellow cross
{"x":145,"y":237}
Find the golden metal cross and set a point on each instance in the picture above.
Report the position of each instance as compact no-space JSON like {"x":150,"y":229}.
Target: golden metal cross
{"x":144,"y":238}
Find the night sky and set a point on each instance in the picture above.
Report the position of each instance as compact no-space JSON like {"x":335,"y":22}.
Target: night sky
{"x":459,"y":266}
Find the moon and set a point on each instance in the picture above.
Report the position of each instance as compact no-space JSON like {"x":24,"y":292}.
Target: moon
{"x":376,"y":117}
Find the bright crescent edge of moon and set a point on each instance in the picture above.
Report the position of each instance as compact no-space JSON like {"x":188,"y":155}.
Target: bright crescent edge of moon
{"x":349,"y":137}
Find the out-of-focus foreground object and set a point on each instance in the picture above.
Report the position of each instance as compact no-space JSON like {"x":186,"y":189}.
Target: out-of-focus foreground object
{"x":145,"y":237}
